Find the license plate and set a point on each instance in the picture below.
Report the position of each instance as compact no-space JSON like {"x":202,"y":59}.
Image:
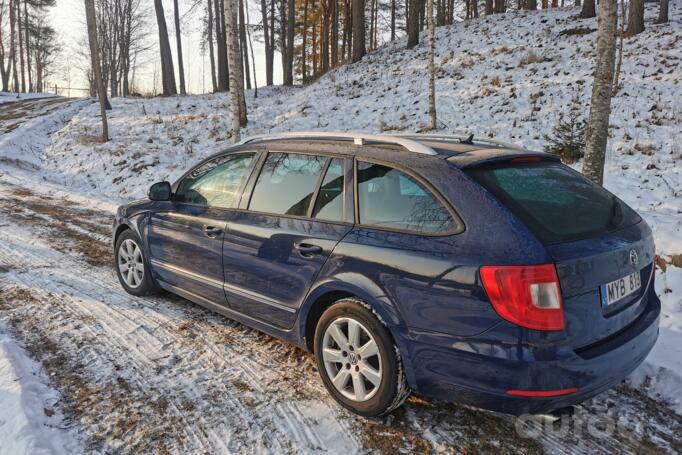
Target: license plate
{"x":619,"y":289}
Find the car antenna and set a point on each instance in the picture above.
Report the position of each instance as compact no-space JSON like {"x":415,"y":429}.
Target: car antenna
{"x":469,"y":140}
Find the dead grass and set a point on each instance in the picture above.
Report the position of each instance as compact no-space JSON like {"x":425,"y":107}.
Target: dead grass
{"x":90,"y":139}
{"x":531,"y":58}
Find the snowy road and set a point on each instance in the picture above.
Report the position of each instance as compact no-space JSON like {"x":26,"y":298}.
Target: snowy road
{"x":164,"y":375}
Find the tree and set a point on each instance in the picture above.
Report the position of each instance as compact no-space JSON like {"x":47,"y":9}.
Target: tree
{"x":600,"y":107}
{"x":178,"y":41}
{"x":588,"y":10}
{"x":413,"y":25}
{"x":432,"y":67}
{"x":358,"y":29}
{"x":97,"y":70}
{"x":531,"y":5}
{"x":663,"y":12}
{"x":236,"y":79}
{"x":167,"y":71}
{"x":635,"y":17}
{"x":288,"y":48}
{"x":209,"y":33}
{"x":268,"y":37}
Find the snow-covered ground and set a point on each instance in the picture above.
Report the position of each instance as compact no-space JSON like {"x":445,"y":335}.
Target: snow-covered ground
{"x":7,"y":97}
{"x":29,"y":420}
{"x":509,"y":76}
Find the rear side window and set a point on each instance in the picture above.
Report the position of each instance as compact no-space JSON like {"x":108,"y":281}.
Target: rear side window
{"x":389,"y":198}
{"x":556,"y":202}
{"x":216,"y":182}
{"x":286,"y":183}
{"x":329,"y":203}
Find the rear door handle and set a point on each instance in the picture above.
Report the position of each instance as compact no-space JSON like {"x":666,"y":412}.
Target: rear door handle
{"x":212,"y":231}
{"x":306,"y":249}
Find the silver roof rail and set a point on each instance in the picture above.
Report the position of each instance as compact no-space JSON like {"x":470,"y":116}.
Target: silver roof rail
{"x":460,"y":137}
{"x":409,"y":143}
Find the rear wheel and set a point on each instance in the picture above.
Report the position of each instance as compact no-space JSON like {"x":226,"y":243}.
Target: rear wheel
{"x":131,"y":266}
{"x":358,"y":361}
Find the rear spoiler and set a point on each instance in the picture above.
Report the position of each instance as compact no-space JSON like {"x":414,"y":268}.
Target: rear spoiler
{"x":488,"y":157}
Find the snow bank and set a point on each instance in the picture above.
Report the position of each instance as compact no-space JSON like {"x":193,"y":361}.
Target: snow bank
{"x":29,"y":422}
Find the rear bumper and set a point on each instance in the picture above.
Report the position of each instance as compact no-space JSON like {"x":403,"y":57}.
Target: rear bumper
{"x":480,"y":372}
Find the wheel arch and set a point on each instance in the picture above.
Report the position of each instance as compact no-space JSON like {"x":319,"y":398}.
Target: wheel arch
{"x":324,"y":294}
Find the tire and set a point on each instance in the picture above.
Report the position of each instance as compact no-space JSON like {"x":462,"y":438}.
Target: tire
{"x":358,"y":387}
{"x":139,"y":280}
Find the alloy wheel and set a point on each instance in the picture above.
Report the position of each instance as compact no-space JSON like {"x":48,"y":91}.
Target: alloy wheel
{"x":351,"y":359}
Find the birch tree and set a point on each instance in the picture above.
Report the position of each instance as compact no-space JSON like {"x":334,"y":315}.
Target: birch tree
{"x":432,"y":67}
{"x":91,"y":21}
{"x":600,"y":108}
{"x":233,"y":56}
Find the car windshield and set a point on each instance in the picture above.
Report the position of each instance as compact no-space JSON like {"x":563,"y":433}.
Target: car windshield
{"x":556,"y":202}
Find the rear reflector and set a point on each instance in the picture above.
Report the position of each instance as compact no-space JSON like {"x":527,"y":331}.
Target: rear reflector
{"x":527,"y":295}
{"x":542,"y":393}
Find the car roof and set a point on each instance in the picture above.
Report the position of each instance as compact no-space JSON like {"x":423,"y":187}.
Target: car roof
{"x":461,"y":151}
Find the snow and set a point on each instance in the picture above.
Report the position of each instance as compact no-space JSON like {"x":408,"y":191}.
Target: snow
{"x":8,"y":97}
{"x":29,"y":421}
{"x":508,"y":77}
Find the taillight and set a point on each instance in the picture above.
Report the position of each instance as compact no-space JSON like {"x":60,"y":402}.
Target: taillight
{"x":527,"y":295}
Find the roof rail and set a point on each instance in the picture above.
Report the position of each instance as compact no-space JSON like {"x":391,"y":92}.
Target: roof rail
{"x":460,"y":137}
{"x":409,"y":143}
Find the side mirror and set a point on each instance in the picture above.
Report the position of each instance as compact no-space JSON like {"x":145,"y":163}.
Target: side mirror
{"x":160,"y":191}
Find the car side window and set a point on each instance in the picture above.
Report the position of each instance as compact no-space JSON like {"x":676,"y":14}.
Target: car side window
{"x":287,"y":183}
{"x":329,"y":203}
{"x":215,"y":183}
{"x":389,"y":198}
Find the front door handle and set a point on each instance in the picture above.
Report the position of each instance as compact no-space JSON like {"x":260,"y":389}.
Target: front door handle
{"x":212,"y":231}
{"x":307,"y":250}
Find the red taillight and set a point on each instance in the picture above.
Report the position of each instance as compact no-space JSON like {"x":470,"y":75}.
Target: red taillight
{"x":527,"y":295}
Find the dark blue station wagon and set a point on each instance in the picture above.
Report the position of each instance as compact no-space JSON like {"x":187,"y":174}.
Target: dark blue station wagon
{"x":464,"y":270}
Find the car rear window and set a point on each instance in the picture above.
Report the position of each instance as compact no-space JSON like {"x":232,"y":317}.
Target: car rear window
{"x":556,"y":202}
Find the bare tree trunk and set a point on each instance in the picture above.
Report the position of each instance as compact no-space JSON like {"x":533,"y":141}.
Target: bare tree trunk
{"x":13,"y":45}
{"x":304,"y":69}
{"x":178,"y":41}
{"x":432,"y":68}
{"x":221,"y":47}
{"x":620,"y":48}
{"x":253,"y":59}
{"x":288,"y":78}
{"x":28,"y":47}
{"x":663,"y":13}
{"x":413,"y":23}
{"x":334,"y":33}
{"x":236,"y":88}
{"x":243,"y":45}
{"x":167,"y":71}
{"x":600,"y":109}
{"x":531,"y":5}
{"x":588,"y":9}
{"x":358,"y":13}
{"x":211,"y":54}
{"x":21,"y":47}
{"x":266,"y":38}
{"x":94,"y":56}
{"x":635,"y":17}
{"x":392,"y":20}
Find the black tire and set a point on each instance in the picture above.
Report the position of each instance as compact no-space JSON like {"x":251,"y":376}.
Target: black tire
{"x":146,"y":286}
{"x":392,"y":390}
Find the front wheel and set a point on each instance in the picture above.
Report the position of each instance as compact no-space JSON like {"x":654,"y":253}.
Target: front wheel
{"x":131,"y":267}
{"x":358,"y":361}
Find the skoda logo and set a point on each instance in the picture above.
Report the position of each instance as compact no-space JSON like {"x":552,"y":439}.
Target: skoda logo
{"x":353,"y":358}
{"x":633,"y":257}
